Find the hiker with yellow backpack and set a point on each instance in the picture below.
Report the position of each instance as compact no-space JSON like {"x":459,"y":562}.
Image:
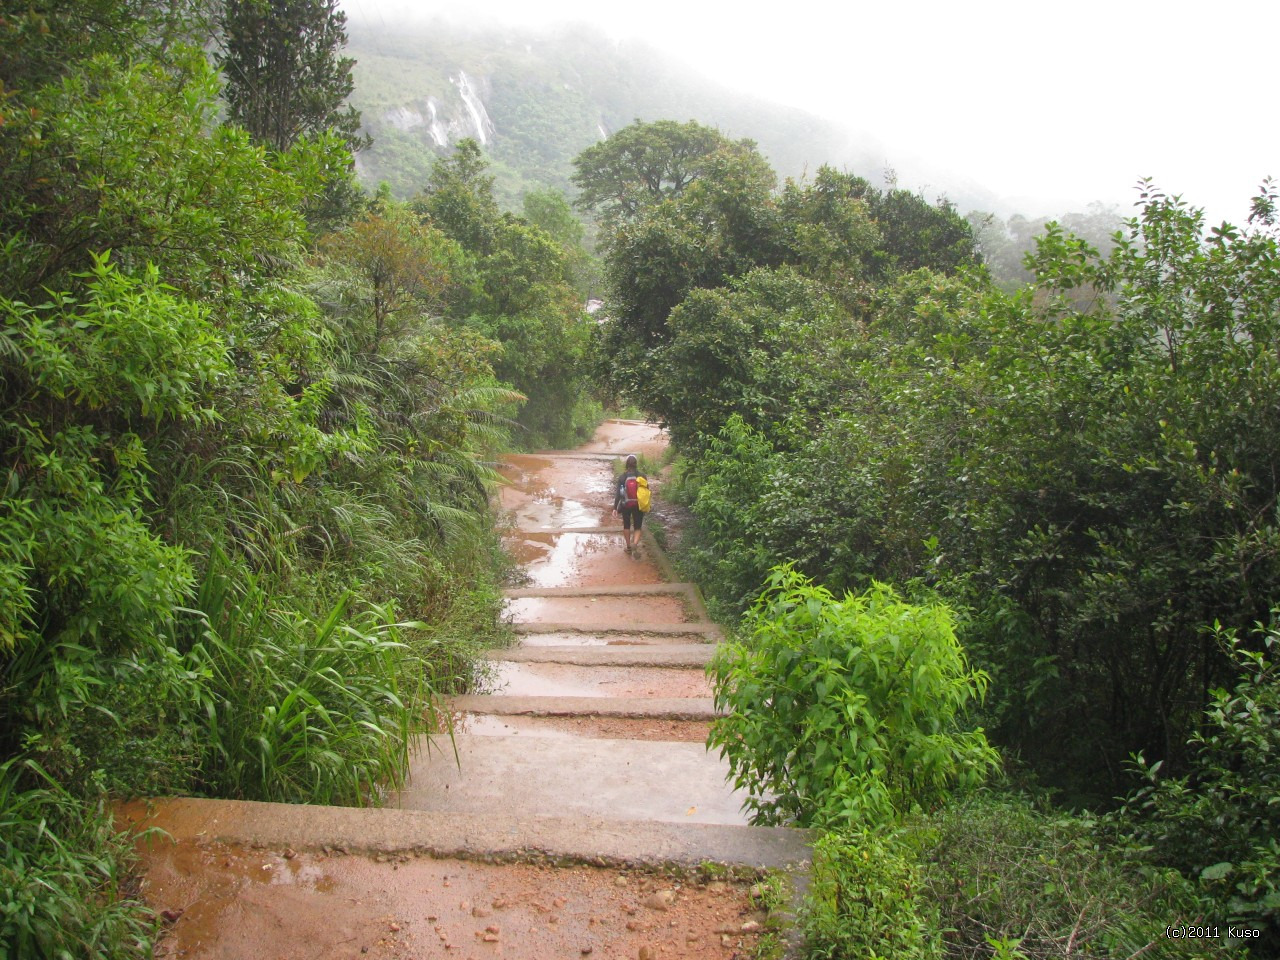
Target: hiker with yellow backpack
{"x":631,"y":499}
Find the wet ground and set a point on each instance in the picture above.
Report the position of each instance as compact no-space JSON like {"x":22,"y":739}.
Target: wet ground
{"x":586,"y":746}
{"x":233,"y":903}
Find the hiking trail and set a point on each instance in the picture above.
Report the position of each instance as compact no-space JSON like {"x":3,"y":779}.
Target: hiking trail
{"x":579,"y":814}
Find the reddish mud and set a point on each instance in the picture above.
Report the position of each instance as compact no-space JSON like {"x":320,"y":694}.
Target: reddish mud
{"x":233,"y":903}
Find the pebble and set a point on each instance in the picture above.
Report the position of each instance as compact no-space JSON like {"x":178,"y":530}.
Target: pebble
{"x":481,"y":912}
{"x":586,"y":951}
{"x":395,"y":928}
{"x":660,"y":900}
{"x":751,"y":926}
{"x":645,"y":954}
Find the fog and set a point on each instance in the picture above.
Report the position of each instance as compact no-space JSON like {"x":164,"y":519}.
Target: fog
{"x":1050,"y":106}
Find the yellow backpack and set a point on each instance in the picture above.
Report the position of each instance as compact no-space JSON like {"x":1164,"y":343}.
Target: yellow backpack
{"x":642,"y":494}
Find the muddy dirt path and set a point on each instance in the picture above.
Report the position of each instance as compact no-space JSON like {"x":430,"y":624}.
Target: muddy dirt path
{"x":576,"y":816}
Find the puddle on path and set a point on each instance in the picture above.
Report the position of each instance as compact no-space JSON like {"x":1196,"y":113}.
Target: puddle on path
{"x":544,"y":493}
{"x":579,"y":560}
{"x":571,"y":680}
{"x":604,"y":611}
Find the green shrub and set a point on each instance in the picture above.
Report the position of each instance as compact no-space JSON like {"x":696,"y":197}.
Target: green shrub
{"x":846,"y":711}
{"x":865,"y":902}
{"x":1002,"y":875}
{"x":62,"y":878}
{"x":1221,"y":822}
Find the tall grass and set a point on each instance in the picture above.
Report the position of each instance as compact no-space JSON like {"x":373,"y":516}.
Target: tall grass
{"x":64,"y":891}
{"x":300,"y":710}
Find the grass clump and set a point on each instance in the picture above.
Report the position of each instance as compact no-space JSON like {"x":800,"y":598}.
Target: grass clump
{"x":64,"y":887}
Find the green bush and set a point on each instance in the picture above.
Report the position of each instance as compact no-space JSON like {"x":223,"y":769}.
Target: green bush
{"x":846,"y":711}
{"x":865,"y":901}
{"x":299,"y":711}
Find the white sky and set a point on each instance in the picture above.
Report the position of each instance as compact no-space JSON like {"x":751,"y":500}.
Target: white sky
{"x":1052,"y":105}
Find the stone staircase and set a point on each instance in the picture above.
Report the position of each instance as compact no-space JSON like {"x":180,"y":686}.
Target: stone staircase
{"x":594,"y":723}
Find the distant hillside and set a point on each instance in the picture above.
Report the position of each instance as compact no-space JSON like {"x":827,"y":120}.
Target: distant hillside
{"x":535,"y":100}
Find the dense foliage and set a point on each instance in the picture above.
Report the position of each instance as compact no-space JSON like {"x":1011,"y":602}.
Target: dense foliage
{"x":245,"y":537}
{"x":1083,"y":467}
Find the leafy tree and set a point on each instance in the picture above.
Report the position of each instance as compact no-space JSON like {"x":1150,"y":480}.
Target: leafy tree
{"x":516,"y":291}
{"x":766,"y":344}
{"x":284,"y":77}
{"x":1219,"y":823}
{"x":42,"y":40}
{"x":551,"y":212}
{"x":459,"y":198}
{"x":644,"y":164}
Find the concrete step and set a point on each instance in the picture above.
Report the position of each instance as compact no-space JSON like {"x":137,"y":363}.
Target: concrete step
{"x":694,"y":655}
{"x":666,"y":708}
{"x":530,"y":776}
{"x":611,"y":611}
{"x":515,"y":679}
{"x":637,"y":632}
{"x":614,"y":590}
{"x":471,"y":836}
{"x":578,"y":727}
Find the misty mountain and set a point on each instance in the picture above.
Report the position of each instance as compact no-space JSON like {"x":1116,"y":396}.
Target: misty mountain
{"x":534,"y":99}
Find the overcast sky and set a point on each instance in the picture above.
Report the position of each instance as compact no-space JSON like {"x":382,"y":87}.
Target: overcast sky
{"x":1058,"y":103}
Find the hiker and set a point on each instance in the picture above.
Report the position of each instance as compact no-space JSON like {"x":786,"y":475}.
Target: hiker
{"x":631,"y":499}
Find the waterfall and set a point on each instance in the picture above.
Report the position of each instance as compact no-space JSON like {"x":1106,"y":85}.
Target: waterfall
{"x":439,"y":135}
{"x":480,"y":122}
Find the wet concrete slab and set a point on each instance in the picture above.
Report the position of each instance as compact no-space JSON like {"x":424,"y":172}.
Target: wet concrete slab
{"x":516,"y":679}
{"x":674,"y":708}
{"x":691,"y":654}
{"x":477,"y":836}
{"x":621,"y":437}
{"x":562,"y":728}
{"x":614,"y":779}
{"x":568,"y":634}
{"x":560,"y":559}
{"x":609,"y":612}
{"x":554,"y":493}
{"x":622,"y":638}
